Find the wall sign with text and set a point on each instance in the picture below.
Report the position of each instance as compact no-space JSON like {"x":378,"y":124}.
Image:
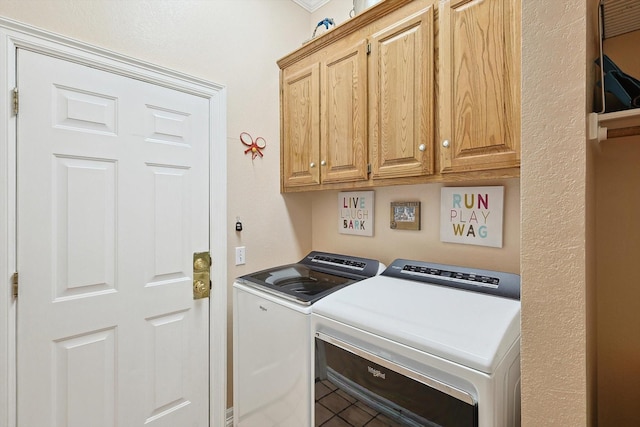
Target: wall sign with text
{"x":355,"y":213}
{"x":472,"y":215}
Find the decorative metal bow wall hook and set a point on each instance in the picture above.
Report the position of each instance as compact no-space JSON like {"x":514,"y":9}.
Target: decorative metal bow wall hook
{"x":255,"y":146}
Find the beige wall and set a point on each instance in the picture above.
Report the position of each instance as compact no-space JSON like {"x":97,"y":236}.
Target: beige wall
{"x":618,"y":235}
{"x":618,"y":252}
{"x":555,"y":335}
{"x":387,"y":244}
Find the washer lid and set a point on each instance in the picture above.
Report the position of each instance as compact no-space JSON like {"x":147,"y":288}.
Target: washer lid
{"x":469,"y":328}
{"x":316,"y":275}
{"x":296,"y":282}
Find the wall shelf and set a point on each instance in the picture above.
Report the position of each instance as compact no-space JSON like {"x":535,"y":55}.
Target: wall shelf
{"x":603,"y":126}
{"x":616,"y":17}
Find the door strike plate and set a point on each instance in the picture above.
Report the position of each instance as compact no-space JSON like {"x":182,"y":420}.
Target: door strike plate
{"x":201,"y":275}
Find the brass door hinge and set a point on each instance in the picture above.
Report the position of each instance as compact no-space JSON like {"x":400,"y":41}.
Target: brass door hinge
{"x":14,"y":284}
{"x":15,"y":101}
{"x":201,"y":275}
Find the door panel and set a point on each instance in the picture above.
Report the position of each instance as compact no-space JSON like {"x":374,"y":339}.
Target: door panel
{"x":480,"y":85}
{"x":402,"y":89}
{"x":343,"y":140}
{"x":300,"y":127}
{"x":83,"y":362}
{"x":85,"y":251}
{"x":113,"y":200}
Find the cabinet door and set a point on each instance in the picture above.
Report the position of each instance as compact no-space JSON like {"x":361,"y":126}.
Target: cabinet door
{"x":343,"y":153}
{"x":300,"y":127}
{"x":479,"y":81}
{"x":401,"y":132}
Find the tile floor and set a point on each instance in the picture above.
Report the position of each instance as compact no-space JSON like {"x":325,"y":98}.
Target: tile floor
{"x":335,"y":408}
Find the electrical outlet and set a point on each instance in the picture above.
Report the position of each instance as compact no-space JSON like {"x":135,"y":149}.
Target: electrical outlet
{"x":240,"y":255}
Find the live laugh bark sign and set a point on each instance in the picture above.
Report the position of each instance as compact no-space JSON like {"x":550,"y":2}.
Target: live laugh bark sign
{"x":472,"y":215}
{"x":355,"y":213}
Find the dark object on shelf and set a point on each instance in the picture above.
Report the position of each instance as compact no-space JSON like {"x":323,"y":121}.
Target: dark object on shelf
{"x":616,"y":17}
{"x":626,"y":88}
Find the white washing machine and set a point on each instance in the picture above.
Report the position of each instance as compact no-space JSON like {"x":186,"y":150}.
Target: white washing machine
{"x":422,"y":344}
{"x":272,"y":374}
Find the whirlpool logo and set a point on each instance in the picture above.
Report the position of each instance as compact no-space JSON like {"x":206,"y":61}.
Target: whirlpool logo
{"x":376,"y":373}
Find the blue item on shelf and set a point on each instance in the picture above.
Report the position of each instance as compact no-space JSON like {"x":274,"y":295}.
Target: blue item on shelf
{"x":626,"y":88}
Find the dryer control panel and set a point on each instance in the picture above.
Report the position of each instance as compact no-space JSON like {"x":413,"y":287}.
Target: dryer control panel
{"x":490,"y":282}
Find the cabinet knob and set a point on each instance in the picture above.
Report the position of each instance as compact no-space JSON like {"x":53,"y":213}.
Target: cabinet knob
{"x":422,"y":147}
{"x":323,"y":163}
{"x":445,"y":143}
{"x":312,"y":165}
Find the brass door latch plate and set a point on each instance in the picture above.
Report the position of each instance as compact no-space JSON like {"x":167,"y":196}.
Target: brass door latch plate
{"x":201,"y":275}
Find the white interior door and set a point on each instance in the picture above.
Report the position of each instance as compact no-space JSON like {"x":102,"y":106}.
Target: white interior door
{"x":113,"y":200}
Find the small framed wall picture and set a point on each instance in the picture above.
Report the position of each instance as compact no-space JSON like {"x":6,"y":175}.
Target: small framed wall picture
{"x":405,"y":216}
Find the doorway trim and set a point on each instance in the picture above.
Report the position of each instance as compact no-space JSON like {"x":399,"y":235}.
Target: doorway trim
{"x":15,"y":35}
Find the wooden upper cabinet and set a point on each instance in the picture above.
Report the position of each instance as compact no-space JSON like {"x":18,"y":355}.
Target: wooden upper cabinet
{"x":402,"y":97}
{"x":343,"y":147}
{"x":363,"y":104}
{"x":300,"y":104}
{"x":479,"y":77}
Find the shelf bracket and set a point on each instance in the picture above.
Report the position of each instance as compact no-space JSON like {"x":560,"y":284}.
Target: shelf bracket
{"x":596,"y":132}
{"x":621,"y":124}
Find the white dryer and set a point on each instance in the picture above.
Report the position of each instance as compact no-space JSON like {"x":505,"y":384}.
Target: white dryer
{"x":422,"y":344}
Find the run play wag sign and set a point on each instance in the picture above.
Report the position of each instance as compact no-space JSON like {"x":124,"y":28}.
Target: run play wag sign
{"x":472,"y":215}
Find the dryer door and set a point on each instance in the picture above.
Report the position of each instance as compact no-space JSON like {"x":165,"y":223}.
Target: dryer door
{"x":392,"y":392}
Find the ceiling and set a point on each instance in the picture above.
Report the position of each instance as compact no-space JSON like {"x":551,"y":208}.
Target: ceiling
{"x":311,"y":5}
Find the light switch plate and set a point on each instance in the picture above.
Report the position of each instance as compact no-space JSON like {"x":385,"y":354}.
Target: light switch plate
{"x":240,"y":255}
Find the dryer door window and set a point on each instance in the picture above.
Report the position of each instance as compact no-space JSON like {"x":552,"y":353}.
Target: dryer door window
{"x":406,"y":397}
